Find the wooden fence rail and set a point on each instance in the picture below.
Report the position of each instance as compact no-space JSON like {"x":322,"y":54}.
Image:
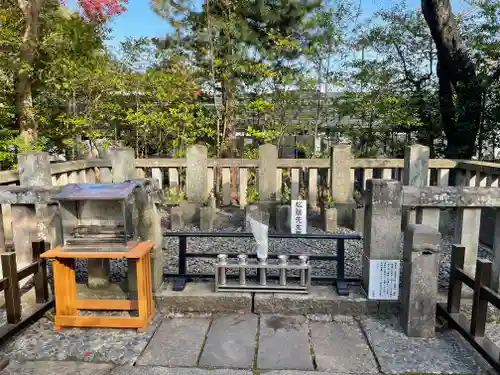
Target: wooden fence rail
{"x":9,"y":284}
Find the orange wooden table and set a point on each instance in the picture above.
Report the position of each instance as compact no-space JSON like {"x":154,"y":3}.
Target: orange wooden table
{"x":68,"y":306}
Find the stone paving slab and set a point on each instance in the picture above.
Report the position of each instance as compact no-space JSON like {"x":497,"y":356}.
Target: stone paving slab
{"x":293,"y":372}
{"x":39,"y":342}
{"x":284,"y":343}
{"x":231,"y":342}
{"x":341,"y":347}
{"x":152,"y":370}
{"x":397,"y":353}
{"x":177,"y":342}
{"x":56,"y":368}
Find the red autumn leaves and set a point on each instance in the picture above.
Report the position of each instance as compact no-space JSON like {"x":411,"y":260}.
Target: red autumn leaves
{"x":101,"y":10}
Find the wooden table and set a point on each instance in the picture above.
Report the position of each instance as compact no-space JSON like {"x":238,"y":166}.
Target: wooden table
{"x":68,"y":306}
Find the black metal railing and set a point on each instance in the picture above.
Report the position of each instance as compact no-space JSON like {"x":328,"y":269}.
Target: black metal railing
{"x":340,"y":281}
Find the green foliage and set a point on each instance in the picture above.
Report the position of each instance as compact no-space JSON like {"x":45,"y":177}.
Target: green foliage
{"x":285,"y":195}
{"x":173,"y":196}
{"x":252,"y":194}
{"x":328,"y":200}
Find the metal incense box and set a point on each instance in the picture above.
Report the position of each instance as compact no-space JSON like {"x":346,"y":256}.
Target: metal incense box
{"x":98,"y":216}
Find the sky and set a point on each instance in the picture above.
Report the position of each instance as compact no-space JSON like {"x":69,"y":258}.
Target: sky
{"x":141,"y":21}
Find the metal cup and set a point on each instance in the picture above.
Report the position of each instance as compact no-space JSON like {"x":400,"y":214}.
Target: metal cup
{"x":282,"y":261}
{"x":303,"y":263}
{"x":262,"y":271}
{"x":222,"y":260}
{"x":242,"y":261}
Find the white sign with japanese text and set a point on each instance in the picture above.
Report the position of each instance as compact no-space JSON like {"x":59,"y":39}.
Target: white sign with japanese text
{"x":298,"y":217}
{"x":384,"y":279}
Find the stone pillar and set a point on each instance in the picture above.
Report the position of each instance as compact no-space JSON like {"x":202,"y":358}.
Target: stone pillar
{"x":196,"y":173}
{"x":420,"y":280}
{"x":382,"y":234}
{"x":34,"y":170}
{"x":122,"y":169}
{"x":149,"y":229}
{"x":283,"y":219}
{"x":122,"y":164}
{"x":207,"y":217}
{"x":331,"y":220}
{"x":341,"y":186}
{"x":268,"y":163}
{"x":415,"y":173}
{"x":467,"y":233}
{"x":24,"y":230}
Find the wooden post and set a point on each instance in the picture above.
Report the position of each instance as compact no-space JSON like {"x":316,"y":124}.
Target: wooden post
{"x":455,"y":285}
{"x":12,"y":293}
{"x":2,"y":232}
{"x":40,"y":277}
{"x":479,"y":305}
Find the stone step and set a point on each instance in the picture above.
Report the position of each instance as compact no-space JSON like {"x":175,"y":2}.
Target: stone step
{"x":322,"y":299}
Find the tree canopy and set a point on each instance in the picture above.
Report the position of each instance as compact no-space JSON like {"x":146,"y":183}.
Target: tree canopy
{"x":267,"y":69}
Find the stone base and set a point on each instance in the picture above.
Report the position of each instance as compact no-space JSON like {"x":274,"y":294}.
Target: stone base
{"x":322,"y":299}
{"x":207,"y":218}
{"x":190,"y":212}
{"x":176,"y":218}
{"x":113,"y":291}
{"x":201,"y":297}
{"x":344,"y":213}
{"x":331,"y":220}
{"x":98,"y":273}
{"x":270,"y":207}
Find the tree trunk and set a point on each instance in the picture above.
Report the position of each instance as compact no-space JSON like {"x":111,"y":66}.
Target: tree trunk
{"x":25,"y":116}
{"x":459,"y":89}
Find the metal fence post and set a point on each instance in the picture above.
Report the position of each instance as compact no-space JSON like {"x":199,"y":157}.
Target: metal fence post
{"x":180,"y":281}
{"x":341,"y":284}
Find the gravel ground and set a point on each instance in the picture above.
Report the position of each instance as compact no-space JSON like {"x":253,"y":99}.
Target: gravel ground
{"x":233,"y":221}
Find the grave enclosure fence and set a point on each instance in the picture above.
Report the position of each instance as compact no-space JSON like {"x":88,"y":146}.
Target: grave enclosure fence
{"x":340,"y":282}
{"x":9,"y":284}
{"x":472,"y":330}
